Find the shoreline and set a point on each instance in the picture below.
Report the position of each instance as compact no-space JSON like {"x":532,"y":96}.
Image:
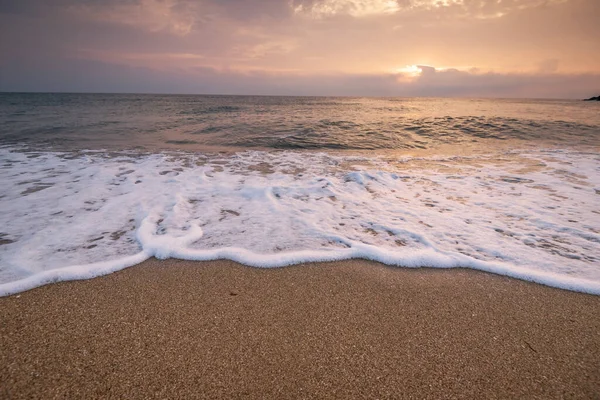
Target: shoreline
{"x":95,"y":270}
{"x":342,"y":329}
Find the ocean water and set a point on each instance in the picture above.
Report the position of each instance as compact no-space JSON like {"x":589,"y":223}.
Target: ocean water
{"x":92,"y":183}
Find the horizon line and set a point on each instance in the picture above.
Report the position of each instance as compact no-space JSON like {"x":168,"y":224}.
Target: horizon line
{"x":292,"y":95}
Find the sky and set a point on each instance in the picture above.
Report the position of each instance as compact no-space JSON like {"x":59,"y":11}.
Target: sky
{"x":454,"y":48}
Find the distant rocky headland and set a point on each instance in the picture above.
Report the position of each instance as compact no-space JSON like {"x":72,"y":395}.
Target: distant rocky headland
{"x":597,"y":98}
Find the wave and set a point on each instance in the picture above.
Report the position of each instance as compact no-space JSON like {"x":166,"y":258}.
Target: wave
{"x":528,"y":215}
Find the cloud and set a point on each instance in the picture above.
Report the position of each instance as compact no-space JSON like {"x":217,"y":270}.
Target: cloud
{"x":174,"y":16}
{"x":483,"y":9}
{"x":355,"y":8}
{"x":426,"y":70}
{"x":78,"y":75}
{"x":548,"y":66}
{"x":253,"y":9}
{"x":231,"y":9}
{"x":304,"y":46}
{"x":473,"y":83}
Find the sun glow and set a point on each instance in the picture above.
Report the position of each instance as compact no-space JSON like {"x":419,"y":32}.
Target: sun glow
{"x":409,"y":71}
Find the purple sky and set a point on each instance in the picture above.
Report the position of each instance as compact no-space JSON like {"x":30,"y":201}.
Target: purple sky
{"x":476,"y":48}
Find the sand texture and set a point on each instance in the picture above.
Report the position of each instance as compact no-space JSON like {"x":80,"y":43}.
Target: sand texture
{"x":356,"y":329}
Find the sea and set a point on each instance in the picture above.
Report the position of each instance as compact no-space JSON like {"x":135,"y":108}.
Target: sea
{"x":94,"y":183}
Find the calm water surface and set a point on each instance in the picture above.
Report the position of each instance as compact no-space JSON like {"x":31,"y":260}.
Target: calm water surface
{"x":158,"y":122}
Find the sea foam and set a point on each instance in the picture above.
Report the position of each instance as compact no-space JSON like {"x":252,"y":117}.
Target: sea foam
{"x":529,"y":215}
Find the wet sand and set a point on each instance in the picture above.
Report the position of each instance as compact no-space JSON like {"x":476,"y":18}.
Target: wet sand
{"x":354,"y":329}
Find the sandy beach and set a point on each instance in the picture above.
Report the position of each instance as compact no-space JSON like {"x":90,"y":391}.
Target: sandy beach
{"x":354,"y":329}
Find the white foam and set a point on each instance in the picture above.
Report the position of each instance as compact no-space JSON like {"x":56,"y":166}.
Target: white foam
{"x":531,"y":216}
